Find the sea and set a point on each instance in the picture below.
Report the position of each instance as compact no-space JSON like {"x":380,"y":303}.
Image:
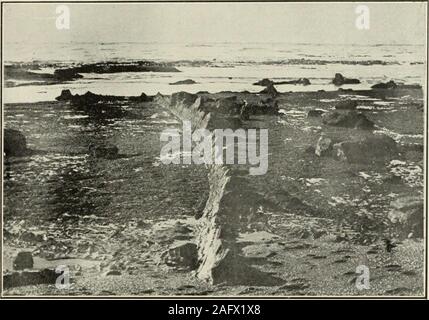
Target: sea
{"x":217,"y":66}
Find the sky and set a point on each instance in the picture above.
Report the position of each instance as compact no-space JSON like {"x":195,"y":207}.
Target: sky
{"x":390,"y":23}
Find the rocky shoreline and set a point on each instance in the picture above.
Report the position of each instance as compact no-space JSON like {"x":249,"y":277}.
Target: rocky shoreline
{"x":250,"y":233}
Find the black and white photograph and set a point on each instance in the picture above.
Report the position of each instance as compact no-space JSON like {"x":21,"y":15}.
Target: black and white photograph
{"x":214,"y":149}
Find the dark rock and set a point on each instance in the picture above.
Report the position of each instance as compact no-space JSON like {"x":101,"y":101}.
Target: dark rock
{"x":106,"y":151}
{"x":183,"y":256}
{"x":66,"y":74}
{"x":27,"y":278}
{"x":388,"y":85}
{"x":185,"y":98}
{"x":187,"y":81}
{"x":114,"y":67}
{"x":346,"y":105}
{"x":264,"y":82}
{"x":141,"y":98}
{"x":268,"y":82}
{"x":407,"y":214}
{"x":348,"y":119}
{"x":303,"y":81}
{"x":339,"y":80}
{"x":376,"y":148}
{"x":315,"y":113}
{"x":65,"y":95}
{"x":270,"y":90}
{"x":24,"y":260}
{"x":15,"y":144}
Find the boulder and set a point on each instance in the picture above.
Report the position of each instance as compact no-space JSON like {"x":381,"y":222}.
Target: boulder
{"x":262,"y":107}
{"x":388,"y":85}
{"x":187,"y":81}
{"x":348,"y":119}
{"x":66,"y":74}
{"x":339,"y":80}
{"x":65,"y":95}
{"x":346,"y":105}
{"x":375,"y":148}
{"x":24,"y":260}
{"x":15,"y":144}
{"x":141,"y":98}
{"x":407,"y":215}
{"x":27,"y":278}
{"x":182,"y":256}
{"x":323,"y":146}
{"x":106,"y":151}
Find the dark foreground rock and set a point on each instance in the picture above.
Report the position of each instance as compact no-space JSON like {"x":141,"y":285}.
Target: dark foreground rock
{"x":24,"y":260}
{"x":141,"y":98}
{"x":116,"y":67}
{"x":348,"y":119}
{"x":339,"y":80}
{"x":187,"y":81}
{"x":27,"y":278}
{"x":407,"y":215}
{"x":375,"y":148}
{"x":15,"y":143}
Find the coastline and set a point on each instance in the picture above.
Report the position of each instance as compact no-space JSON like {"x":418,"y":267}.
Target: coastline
{"x":302,"y":227}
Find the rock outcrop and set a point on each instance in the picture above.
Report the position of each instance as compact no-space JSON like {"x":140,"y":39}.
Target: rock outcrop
{"x":116,"y":67}
{"x":229,"y":204}
{"x":268,"y":82}
{"x":187,"y":81}
{"x":24,"y":260}
{"x":375,"y":148}
{"x":15,"y":143}
{"x":30,"y":277}
{"x":339,"y":80}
